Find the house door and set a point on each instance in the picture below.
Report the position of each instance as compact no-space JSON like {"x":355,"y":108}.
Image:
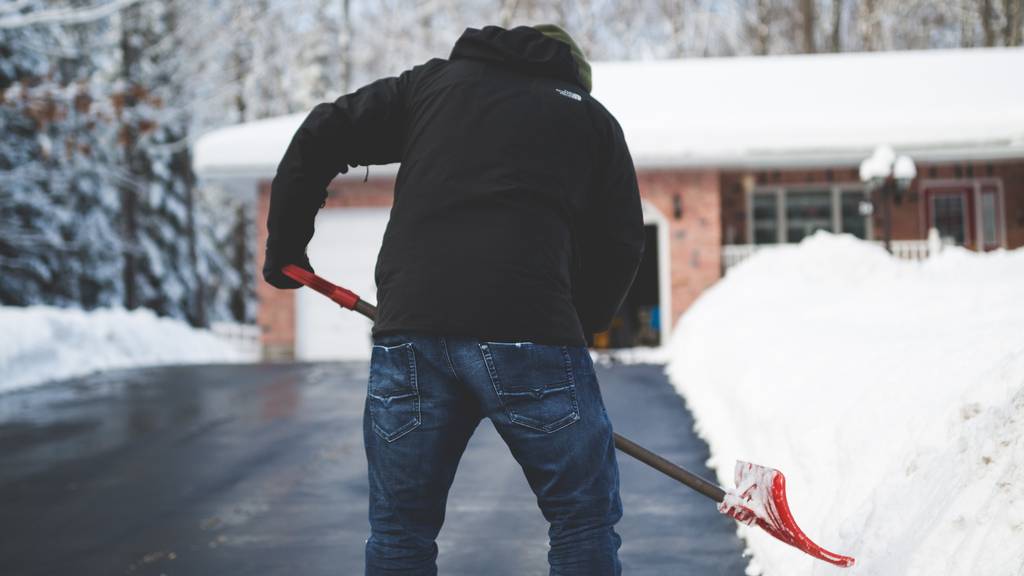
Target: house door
{"x":639,"y":319}
{"x":969,"y":213}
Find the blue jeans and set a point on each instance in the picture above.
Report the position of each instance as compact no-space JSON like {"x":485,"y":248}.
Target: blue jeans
{"x":425,"y":397}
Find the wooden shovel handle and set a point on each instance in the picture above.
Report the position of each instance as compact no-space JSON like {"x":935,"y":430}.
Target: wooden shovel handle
{"x":351,"y":301}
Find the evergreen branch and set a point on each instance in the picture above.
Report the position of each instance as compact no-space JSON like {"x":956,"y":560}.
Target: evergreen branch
{"x":14,"y":6}
{"x":66,"y":15}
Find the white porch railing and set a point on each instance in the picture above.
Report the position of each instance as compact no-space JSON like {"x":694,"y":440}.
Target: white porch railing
{"x":243,"y":337}
{"x":917,"y":250}
{"x":909,"y":249}
{"x":733,"y":254}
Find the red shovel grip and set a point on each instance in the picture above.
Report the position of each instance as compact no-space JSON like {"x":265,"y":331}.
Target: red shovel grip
{"x":346,"y":298}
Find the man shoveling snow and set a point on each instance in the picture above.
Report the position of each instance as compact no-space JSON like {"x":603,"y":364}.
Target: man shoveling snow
{"x":516,"y":229}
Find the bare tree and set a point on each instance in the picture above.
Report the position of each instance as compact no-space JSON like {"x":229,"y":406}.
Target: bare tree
{"x":869,"y":25}
{"x":836,"y":31}
{"x":1012,"y":29}
{"x":674,"y":13}
{"x":507,"y":12}
{"x":967,"y":23}
{"x":345,"y":46}
{"x":808,"y":25}
{"x":760,"y":20}
{"x":128,"y":137}
{"x":987,"y":14}
{"x":523,"y":12}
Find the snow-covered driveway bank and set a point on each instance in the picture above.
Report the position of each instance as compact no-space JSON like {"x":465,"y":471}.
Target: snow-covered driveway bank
{"x":890,"y":393}
{"x":43,"y":343}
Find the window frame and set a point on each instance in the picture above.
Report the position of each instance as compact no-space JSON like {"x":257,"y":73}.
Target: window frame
{"x":975,"y":188}
{"x":963,"y":194}
{"x":836,"y":190}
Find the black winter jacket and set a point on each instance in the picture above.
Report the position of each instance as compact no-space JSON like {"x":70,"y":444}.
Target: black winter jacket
{"x":516,"y":213}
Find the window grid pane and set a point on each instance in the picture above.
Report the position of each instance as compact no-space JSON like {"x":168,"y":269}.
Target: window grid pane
{"x":853,"y":222}
{"x":766,"y":229}
{"x":988,"y":218}
{"x":948,"y":216}
{"x":807,"y":212}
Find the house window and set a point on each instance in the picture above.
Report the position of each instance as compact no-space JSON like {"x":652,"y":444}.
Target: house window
{"x":988,"y":219}
{"x":991,"y":217}
{"x":852,"y":219}
{"x":949,"y":216}
{"x":807,"y":212}
{"x":766,"y":220}
{"x":792,"y":214}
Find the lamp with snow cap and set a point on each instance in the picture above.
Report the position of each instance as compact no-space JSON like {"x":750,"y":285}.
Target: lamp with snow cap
{"x":891,"y":176}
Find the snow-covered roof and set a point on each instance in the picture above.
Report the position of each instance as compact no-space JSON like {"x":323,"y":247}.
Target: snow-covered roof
{"x":806,"y":110}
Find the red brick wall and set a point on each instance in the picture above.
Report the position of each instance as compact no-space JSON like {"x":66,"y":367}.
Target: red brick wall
{"x":908,"y":217}
{"x":713,"y":213}
{"x":275,"y":309}
{"x":695,"y":237}
{"x":1013,"y":201}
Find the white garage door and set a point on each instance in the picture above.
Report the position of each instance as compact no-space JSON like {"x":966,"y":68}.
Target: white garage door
{"x":344,"y":251}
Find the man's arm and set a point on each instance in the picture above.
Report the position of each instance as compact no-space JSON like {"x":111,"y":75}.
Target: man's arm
{"x":612,"y":242}
{"x":358,"y":129}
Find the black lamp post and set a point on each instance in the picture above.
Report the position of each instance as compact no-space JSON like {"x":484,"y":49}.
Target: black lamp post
{"x":885,"y":172}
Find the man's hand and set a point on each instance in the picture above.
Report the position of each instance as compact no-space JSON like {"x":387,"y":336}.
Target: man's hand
{"x":272,"y":270}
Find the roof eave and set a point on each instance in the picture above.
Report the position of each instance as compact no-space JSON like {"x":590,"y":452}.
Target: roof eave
{"x":755,"y":160}
{"x":826,"y":158}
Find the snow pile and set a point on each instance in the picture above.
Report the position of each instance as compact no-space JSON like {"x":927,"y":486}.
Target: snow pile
{"x":42,"y":343}
{"x":890,"y":393}
{"x":637,"y":355}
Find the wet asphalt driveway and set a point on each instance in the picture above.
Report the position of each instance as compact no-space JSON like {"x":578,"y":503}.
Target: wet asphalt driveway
{"x":258,"y":470}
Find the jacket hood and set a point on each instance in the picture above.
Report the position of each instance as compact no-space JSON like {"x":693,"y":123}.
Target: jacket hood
{"x":522,"y":48}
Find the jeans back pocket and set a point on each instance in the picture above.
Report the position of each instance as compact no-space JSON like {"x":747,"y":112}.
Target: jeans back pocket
{"x":392,"y":393}
{"x":534,"y":383}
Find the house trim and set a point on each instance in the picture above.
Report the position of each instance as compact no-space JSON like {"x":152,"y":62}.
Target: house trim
{"x":836,"y":190}
{"x":972,"y":213}
{"x":653,"y":216}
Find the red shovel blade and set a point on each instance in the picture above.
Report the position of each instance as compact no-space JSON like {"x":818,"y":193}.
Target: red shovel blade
{"x":760,"y":498}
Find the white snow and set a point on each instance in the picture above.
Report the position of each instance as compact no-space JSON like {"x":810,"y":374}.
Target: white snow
{"x":251,"y":147}
{"x":761,"y":111}
{"x":254,"y":150}
{"x":636,"y":355}
{"x":890,"y":393}
{"x":817,"y":108}
{"x":879,"y":165}
{"x":43,"y":343}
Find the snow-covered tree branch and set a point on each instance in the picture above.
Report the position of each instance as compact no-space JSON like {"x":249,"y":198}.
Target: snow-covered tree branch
{"x":62,"y":15}
{"x":100,"y":101}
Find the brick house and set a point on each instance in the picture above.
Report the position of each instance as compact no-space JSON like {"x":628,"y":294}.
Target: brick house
{"x":732,"y":155}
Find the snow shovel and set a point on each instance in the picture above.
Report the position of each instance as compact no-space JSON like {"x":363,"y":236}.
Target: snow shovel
{"x":758,"y":499}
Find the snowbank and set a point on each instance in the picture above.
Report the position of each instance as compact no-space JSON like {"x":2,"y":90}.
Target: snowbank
{"x":42,"y":343}
{"x":637,"y":355}
{"x":890,"y":393}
